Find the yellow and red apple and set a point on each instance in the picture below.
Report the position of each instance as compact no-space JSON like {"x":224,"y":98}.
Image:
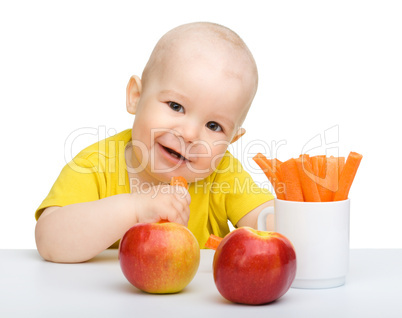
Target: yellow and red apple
{"x":159,"y":257}
{"x":254,"y":267}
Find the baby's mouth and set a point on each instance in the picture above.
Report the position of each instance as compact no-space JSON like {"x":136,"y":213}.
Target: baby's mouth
{"x":174,"y":153}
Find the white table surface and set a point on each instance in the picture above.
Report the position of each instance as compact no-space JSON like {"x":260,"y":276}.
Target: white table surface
{"x":32,"y":287}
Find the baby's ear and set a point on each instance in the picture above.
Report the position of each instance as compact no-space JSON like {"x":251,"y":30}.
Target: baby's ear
{"x":133,"y":93}
{"x":240,"y":132}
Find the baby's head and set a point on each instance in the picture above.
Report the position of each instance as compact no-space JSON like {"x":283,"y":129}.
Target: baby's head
{"x":194,"y":95}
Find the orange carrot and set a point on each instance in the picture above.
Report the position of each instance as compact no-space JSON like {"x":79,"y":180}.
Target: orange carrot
{"x":272,"y":176}
{"x":277,"y":161}
{"x":280,"y":187}
{"x":323,"y":167}
{"x":332,"y":176}
{"x":290,"y":176}
{"x":328,"y":181}
{"x":341,"y":164}
{"x":307,"y":179}
{"x":213,"y":242}
{"x":179,"y":181}
{"x":347,"y":175}
{"x":317,"y":163}
{"x":305,"y":157}
{"x":276,"y":165}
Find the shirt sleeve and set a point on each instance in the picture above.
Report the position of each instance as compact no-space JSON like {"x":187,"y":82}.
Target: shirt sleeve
{"x":79,"y":181}
{"x":243,"y":195}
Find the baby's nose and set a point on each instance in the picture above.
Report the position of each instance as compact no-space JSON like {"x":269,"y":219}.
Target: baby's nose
{"x":190,"y":132}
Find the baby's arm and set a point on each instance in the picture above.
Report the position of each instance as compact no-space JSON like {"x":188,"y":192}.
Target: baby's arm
{"x":78,"y":232}
{"x":251,"y":218}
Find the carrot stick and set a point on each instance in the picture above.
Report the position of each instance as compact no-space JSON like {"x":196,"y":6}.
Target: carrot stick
{"x":179,"y":181}
{"x":341,"y":164}
{"x":332,"y":175}
{"x":276,"y":165}
{"x":307,"y":180}
{"x":317,"y":163}
{"x":213,"y":242}
{"x":290,"y":176}
{"x":280,"y":186}
{"x":323,"y":167}
{"x":305,"y":157}
{"x":329,"y":177}
{"x":347,"y":176}
{"x":272,"y":176}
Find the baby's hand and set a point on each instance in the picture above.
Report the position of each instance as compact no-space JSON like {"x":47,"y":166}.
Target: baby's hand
{"x":163,"y":202}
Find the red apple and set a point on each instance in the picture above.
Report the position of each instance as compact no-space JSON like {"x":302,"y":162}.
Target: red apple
{"x":159,"y":257}
{"x":254,"y":267}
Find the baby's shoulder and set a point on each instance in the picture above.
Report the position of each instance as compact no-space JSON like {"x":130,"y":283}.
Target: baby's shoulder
{"x":106,"y":149}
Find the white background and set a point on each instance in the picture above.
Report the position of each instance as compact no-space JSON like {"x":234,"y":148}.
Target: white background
{"x":330,"y":66}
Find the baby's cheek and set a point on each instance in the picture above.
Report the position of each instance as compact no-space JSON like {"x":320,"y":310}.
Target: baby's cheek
{"x":217,"y":154}
{"x":206,"y":158}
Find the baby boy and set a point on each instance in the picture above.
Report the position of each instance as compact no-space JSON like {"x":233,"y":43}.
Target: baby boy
{"x":189,"y":106}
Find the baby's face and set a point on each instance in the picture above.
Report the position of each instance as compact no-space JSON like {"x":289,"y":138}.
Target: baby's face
{"x":189,"y":112}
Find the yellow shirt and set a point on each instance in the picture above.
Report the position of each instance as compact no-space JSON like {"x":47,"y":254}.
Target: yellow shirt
{"x":100,"y":171}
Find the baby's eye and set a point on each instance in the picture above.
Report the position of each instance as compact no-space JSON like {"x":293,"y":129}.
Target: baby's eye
{"x":176,"y":107}
{"x":214,"y":126}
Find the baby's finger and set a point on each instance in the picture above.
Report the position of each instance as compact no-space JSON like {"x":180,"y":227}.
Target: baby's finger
{"x":182,"y":211}
{"x":186,"y":215}
{"x":182,"y":193}
{"x":173,"y":216}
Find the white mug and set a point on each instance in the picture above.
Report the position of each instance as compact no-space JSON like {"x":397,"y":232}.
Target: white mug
{"x":319,"y":232}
